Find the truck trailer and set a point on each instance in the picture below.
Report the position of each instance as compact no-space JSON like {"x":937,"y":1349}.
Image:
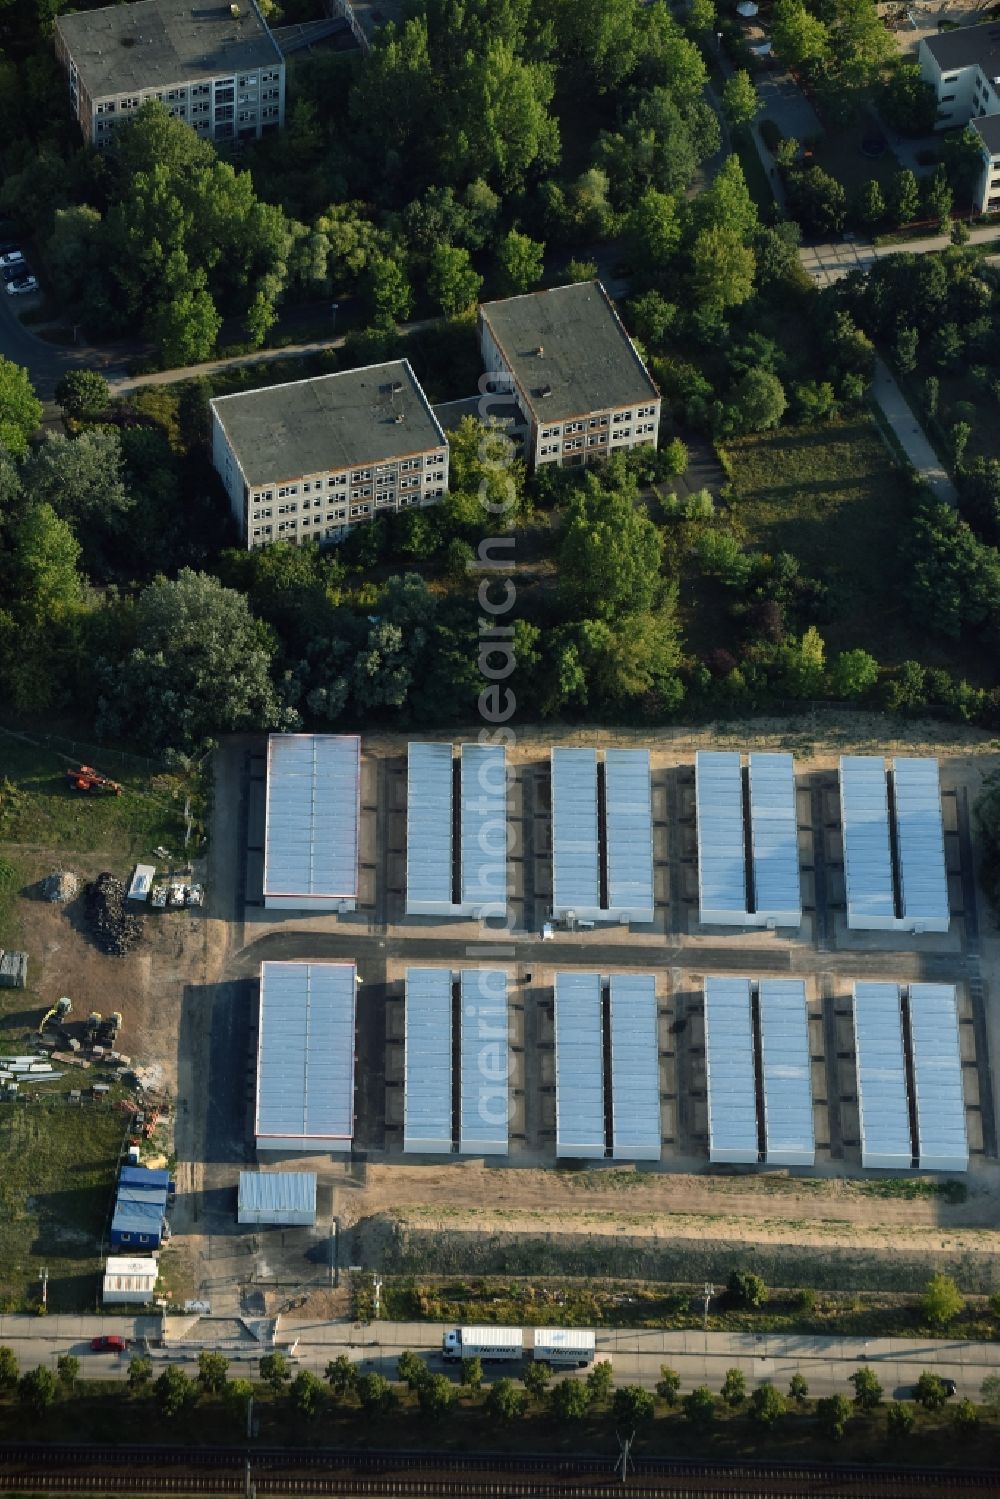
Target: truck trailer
{"x":490,"y":1344}
{"x":564,"y":1346}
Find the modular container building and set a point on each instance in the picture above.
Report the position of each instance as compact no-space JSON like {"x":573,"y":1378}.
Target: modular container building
{"x":576,"y":867}
{"x":939,"y":1092}
{"x":129,"y":1281}
{"x":895,"y":883}
{"x":286,"y":1198}
{"x":774,"y":841}
{"x":305,"y":1057}
{"x":602,"y":858}
{"x":484,"y":830}
{"x":484,"y":1104}
{"x":883,"y":1102}
{"x":729,"y":1066}
{"x":786,"y":1073}
{"x":427,"y":1050}
{"x":722,"y":887}
{"x":476,"y":882}
{"x":579,"y":1066}
{"x":636,"y":1132}
{"x":430,"y":830}
{"x":923,"y":875}
{"x":312,"y":820}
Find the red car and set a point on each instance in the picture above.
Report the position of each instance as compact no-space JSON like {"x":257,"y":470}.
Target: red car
{"x":109,"y":1343}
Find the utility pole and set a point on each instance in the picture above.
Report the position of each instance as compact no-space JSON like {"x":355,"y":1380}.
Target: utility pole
{"x":624,"y":1454}
{"x":45,"y":1286}
{"x":709,"y":1293}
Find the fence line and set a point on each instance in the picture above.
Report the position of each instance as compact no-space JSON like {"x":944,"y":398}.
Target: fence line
{"x":82,"y":752}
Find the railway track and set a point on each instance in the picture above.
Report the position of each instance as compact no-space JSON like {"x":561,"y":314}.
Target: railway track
{"x":30,"y":1468}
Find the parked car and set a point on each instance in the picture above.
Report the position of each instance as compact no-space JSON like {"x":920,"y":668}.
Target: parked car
{"x":950,"y":1387}
{"x":109,"y":1343}
{"x":12,"y":258}
{"x":21,"y":285}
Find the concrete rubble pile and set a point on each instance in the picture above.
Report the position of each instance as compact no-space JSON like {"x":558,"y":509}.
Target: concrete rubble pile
{"x":116,"y":930}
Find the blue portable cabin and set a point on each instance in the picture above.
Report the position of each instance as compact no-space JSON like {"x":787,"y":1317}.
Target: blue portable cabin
{"x":140,"y":1208}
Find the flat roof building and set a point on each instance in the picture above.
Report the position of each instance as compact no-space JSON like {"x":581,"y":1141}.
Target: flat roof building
{"x":963,"y":68}
{"x":305,"y":1057}
{"x":140,"y":1208}
{"x":215,"y":66}
{"x":311,"y":822}
{"x":310,"y":459}
{"x":129,"y":1281}
{"x":574,"y":372}
{"x":287,"y":1198}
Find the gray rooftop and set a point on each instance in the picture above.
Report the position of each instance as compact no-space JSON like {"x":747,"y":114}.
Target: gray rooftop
{"x":331,"y":422}
{"x":987,"y":127}
{"x":966,"y":47}
{"x":587,"y":360}
{"x":155,"y":43}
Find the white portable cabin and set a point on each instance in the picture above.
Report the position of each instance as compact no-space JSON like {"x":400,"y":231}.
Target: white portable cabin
{"x":142,"y":882}
{"x":129,"y":1281}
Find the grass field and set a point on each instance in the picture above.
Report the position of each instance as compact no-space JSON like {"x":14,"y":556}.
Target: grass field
{"x":57,"y":1172}
{"x":834,"y":498}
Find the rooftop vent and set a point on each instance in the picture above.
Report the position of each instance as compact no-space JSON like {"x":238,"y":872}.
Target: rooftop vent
{"x":397,"y":386}
{"x":539,"y":351}
{"x":545,"y":390}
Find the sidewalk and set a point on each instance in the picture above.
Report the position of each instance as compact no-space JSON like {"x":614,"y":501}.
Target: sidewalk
{"x":910,"y":434}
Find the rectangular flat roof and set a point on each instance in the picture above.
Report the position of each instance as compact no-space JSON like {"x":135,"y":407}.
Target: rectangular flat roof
{"x":427,"y":1061}
{"x":579,"y":1065}
{"x":864,"y":803}
{"x":149,"y":44}
{"x":722,"y":889}
{"x":635,"y":1068}
{"x":576,"y":878}
{"x":967,"y":46}
{"x":883,"y":1103}
{"x":484,"y":1109}
{"x":729,"y":1067}
{"x":329,"y":422}
{"x":923,"y":876}
{"x":429,"y":809}
{"x":305,"y":1055}
{"x":786,"y":1071}
{"x":987,"y":127}
{"x":942,"y":1138}
{"x":587,"y":360}
{"x":483,"y":781}
{"x":276,"y":1192}
{"x":629,"y":815}
{"x":312,"y":815}
{"x":774,"y":838}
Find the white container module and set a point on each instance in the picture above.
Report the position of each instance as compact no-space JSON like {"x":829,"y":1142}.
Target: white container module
{"x":579,"y":1066}
{"x":722,"y":888}
{"x":942,"y":1139}
{"x":786,"y":1073}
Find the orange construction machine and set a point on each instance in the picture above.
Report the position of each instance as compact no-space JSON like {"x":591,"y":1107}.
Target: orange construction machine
{"x":86,"y":778}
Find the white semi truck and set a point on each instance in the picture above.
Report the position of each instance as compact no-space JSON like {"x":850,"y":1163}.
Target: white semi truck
{"x":563,"y":1347}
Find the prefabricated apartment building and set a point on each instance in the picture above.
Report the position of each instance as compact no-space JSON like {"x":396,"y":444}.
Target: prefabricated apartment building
{"x":457,"y":1056}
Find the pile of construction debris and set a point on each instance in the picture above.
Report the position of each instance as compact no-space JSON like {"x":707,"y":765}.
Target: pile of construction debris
{"x":60,"y":886}
{"x":117,"y":931}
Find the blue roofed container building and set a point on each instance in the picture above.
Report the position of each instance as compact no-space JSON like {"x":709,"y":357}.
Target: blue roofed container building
{"x":140,"y":1211}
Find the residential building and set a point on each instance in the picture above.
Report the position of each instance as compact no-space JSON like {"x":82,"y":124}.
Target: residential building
{"x":216,"y":66}
{"x":312,"y":459}
{"x":139,"y":1217}
{"x":573,"y":371}
{"x":963,"y":68}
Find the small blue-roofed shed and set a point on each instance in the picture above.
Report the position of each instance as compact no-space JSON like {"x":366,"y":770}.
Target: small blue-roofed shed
{"x":140,"y":1207}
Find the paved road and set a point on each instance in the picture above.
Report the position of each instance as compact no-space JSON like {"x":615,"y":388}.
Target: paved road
{"x":910,"y":434}
{"x":636,"y":1355}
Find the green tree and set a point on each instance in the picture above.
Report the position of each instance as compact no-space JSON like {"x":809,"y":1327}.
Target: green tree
{"x":722,"y":269}
{"x":411,"y":1370}
{"x":799,"y":37}
{"x":904,"y":197}
{"x":274,"y":1371}
{"x":746,"y":1288}
{"x":631,"y":1406}
{"x":906,"y":348}
{"x":899,"y":1418}
{"x":505,"y":1402}
{"x":388,"y":294}
{"x":83,"y":394}
{"x":867,"y":1388}
{"x":758,"y":401}
{"x":435,"y":1396}
{"x":236,"y":1394}
{"x":938,"y":197}
{"x":818,"y":201}
{"x":871,"y":205}
{"x":941,"y":1302}
{"x":68,"y":1370}
{"x":342,"y":1376}
{"x":610,"y":552}
{"x":20,"y":408}
{"x":452,"y":281}
{"x":833,"y":1413}
{"x":376,"y":1394}
{"x":140,"y":1375}
{"x":45,"y":554}
{"x":37,"y":1389}
{"x":740,"y":100}
{"x":653,"y":229}
{"x":766,"y":1405}
{"x":213,"y":1369}
{"x":307,"y":1394}
{"x":652,"y":317}
{"x":472,"y":1374}
{"x":853,"y":673}
{"x":520,"y":263}
{"x":701,"y":16}
{"x":175,"y":1392}
{"x":959,"y":434}
{"x":668,"y":1386}
{"x":260,"y":319}
{"x":929,"y":1391}
{"x":600,"y":1382}
{"x":569,"y":1400}
{"x":798,"y":1388}
{"x":185,"y":326}
{"x":966,"y":1417}
{"x":989,"y":1392}
{"x":734,"y":1388}
{"x":536,"y":1378}
{"x":8,"y":1368}
{"x":700,"y":1407}
{"x":580,"y":270}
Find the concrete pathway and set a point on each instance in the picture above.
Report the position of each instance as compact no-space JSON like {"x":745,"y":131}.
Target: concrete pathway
{"x":910,"y":434}
{"x":830,"y":263}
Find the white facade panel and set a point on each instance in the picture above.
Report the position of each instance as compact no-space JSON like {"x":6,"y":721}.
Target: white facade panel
{"x":576,"y":874}
{"x":923,"y":876}
{"x":305,"y":1056}
{"x":942,"y":1138}
{"x":883,"y":1104}
{"x":484,"y":829}
{"x":129,"y":1281}
{"x":636,"y":1132}
{"x":579,"y":1039}
{"x":722,"y":891}
{"x":429,"y":829}
{"x":484,"y":1114}
{"x":311,"y":822}
{"x":774,"y":840}
{"x":427,"y":1076}
{"x":786,"y":1071}
{"x":729,"y":1067}
{"x":629,"y":815}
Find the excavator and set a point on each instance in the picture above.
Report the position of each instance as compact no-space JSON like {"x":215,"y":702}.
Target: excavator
{"x":56,"y":1013}
{"x":86,"y":778}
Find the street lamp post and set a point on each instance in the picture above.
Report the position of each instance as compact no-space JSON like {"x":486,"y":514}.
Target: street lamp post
{"x":709,"y":1293}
